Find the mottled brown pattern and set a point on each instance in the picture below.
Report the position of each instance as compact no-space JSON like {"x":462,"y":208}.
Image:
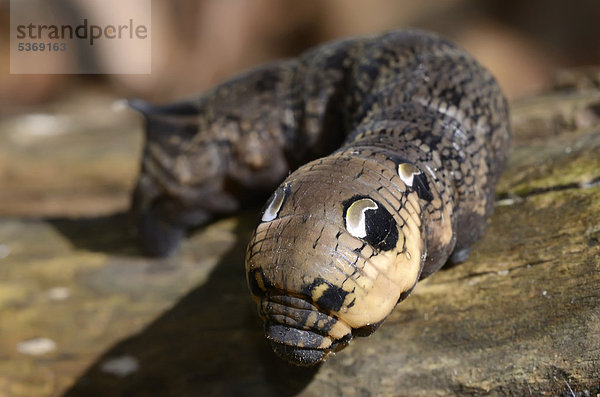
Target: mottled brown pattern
{"x":419,"y":132}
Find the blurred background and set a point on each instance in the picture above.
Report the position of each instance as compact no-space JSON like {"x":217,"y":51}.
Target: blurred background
{"x":196,"y":44}
{"x":65,"y":150}
{"x":75,"y":290}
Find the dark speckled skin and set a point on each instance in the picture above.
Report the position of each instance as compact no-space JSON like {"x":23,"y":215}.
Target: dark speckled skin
{"x":415,"y":134}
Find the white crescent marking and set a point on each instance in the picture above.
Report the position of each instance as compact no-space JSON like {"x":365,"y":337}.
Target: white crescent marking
{"x":274,"y":206}
{"x":355,"y":217}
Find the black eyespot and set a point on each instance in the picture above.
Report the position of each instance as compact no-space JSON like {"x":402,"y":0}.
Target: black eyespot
{"x":421,"y":186}
{"x":415,"y":179}
{"x":367,"y":219}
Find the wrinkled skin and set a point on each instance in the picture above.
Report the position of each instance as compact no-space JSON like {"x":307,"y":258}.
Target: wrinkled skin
{"x":415,"y":135}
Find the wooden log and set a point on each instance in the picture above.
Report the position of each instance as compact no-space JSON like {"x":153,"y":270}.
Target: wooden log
{"x":83,"y":313}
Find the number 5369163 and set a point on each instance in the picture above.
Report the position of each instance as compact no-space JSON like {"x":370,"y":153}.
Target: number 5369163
{"x":42,"y":47}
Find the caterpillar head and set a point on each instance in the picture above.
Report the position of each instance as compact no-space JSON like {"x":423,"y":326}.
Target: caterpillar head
{"x":331,"y":258}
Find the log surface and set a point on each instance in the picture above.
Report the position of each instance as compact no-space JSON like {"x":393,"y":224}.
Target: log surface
{"x":83,"y":313}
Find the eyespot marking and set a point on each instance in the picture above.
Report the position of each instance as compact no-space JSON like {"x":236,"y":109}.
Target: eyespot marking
{"x":275,"y":204}
{"x":415,"y":179}
{"x":407,"y":173}
{"x":365,"y":218}
{"x":356,"y":218}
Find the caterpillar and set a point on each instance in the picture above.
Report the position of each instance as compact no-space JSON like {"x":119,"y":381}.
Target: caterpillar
{"x":397,"y":141}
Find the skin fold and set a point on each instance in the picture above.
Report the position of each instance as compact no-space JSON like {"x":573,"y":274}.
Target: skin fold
{"x":397,"y":142}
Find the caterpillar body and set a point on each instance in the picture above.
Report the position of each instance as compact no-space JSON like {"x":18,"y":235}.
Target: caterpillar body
{"x":397,"y":142}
